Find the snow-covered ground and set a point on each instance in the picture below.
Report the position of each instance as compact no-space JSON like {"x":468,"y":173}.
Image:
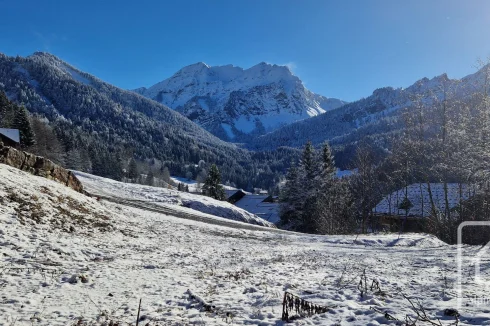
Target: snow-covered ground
{"x":193,"y":185}
{"x":162,"y":196}
{"x":51,"y":274}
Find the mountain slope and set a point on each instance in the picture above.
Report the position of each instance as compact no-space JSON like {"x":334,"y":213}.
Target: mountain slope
{"x":91,"y":265}
{"x":104,"y":125}
{"x":232,"y":102}
{"x":375,"y":116}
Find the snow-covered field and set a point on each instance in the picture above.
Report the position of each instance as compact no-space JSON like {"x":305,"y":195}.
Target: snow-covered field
{"x":193,"y":185}
{"x":51,"y":274}
{"x":162,"y":196}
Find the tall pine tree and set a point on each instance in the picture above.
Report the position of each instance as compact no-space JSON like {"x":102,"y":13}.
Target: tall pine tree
{"x":4,"y":108}
{"x":309,"y":171}
{"x":133,"y":173}
{"x":309,"y":165}
{"x":22,"y":122}
{"x":150,"y":178}
{"x":291,"y":201}
{"x":312,"y":199}
{"x":212,"y":186}
{"x":327,"y":165}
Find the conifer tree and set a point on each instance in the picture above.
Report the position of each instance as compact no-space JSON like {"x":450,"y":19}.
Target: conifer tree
{"x":309,"y":170}
{"x":291,"y":199}
{"x":4,"y":106}
{"x":212,"y":186}
{"x":132,"y":170}
{"x":149,"y":178}
{"x":309,"y":165}
{"x":327,"y":165}
{"x":166,"y":175}
{"x":22,"y":122}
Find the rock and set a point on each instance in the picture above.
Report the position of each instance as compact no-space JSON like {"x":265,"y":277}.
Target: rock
{"x":451,"y":312}
{"x":12,"y":157}
{"x":73,"y":279}
{"x":39,"y":166}
{"x":59,"y":174}
{"x":29,"y":162}
{"x":74,"y":183}
{"x":43,"y":167}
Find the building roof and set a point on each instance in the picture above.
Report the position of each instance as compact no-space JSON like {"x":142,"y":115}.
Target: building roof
{"x":418,"y":195}
{"x":232,"y":191}
{"x":257,"y":205}
{"x":12,"y":134}
{"x":236,"y":196}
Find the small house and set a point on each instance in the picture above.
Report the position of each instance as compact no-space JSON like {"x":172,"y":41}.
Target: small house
{"x":10,"y":137}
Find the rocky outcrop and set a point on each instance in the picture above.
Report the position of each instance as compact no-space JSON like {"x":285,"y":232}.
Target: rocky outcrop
{"x":39,"y":166}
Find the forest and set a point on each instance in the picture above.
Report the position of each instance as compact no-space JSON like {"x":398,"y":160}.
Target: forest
{"x":444,"y":141}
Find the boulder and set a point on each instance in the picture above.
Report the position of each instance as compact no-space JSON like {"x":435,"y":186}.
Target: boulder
{"x":44,"y":167}
{"x":60,"y":174}
{"x":29,"y":164}
{"x":12,"y":157}
{"x":74,"y":183}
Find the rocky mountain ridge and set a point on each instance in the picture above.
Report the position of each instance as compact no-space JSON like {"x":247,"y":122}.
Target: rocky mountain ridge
{"x":232,"y":102}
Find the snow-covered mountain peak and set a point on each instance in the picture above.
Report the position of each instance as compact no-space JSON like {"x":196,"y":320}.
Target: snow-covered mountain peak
{"x":196,"y":68}
{"x":435,"y":85}
{"x":232,"y":102}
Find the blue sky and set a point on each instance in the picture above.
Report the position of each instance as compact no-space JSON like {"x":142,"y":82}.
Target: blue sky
{"x":343,"y":49}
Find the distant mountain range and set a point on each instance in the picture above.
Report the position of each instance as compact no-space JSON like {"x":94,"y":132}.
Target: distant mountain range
{"x":233,"y":103}
{"x":374,"y":117}
{"x":101,"y":124}
{"x":265,"y":108}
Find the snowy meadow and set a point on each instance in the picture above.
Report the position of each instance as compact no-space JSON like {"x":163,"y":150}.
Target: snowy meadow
{"x":193,"y":273}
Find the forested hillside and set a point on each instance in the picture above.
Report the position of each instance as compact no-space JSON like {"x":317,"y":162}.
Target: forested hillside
{"x":438,"y":141}
{"x":100,"y":127}
{"x":377,"y":119}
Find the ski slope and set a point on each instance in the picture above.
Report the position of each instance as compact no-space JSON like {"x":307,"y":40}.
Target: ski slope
{"x":93,"y":273}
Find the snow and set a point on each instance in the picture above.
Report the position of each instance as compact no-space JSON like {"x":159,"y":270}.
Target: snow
{"x":265,"y":92}
{"x":345,"y":173}
{"x":255,"y":204}
{"x":203,"y":104}
{"x":164,"y":197}
{"x":228,"y":130}
{"x":418,"y":195}
{"x":245,"y":124}
{"x":50,"y":276}
{"x":75,"y":74}
{"x":194,"y":186}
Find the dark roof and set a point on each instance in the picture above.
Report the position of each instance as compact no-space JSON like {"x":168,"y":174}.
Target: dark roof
{"x":12,"y":134}
{"x":239,"y":194}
